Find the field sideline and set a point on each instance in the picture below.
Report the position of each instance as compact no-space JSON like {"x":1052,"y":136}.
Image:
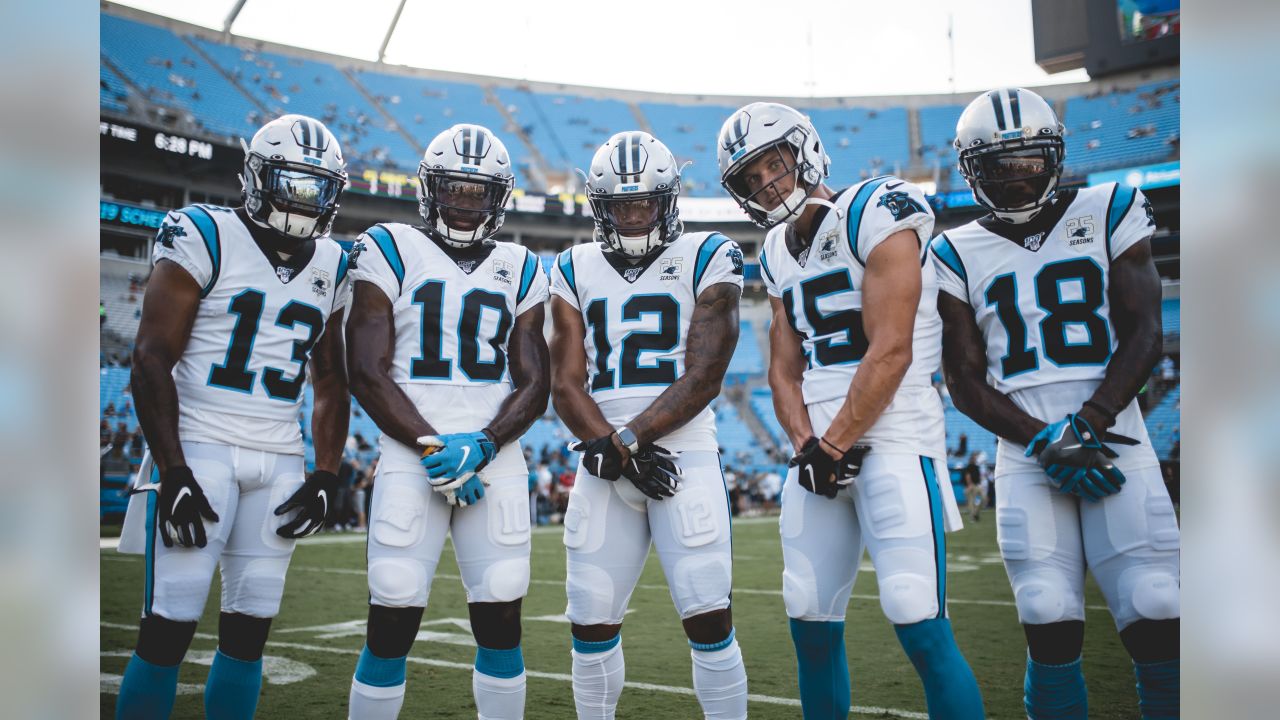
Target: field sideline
{"x":315,"y":641}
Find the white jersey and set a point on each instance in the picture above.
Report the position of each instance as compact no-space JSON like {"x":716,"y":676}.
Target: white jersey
{"x":1039,"y":293}
{"x":821,"y":290}
{"x":453,"y":320}
{"x":637,"y":319}
{"x":241,"y":376}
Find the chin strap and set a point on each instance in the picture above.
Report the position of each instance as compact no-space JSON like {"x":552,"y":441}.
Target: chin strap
{"x":826,"y":203}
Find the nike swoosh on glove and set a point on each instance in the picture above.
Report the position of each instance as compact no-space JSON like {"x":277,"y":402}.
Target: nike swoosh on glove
{"x":1076,"y":460}
{"x":600,"y":457}
{"x":313,"y":501}
{"x":455,"y":456}
{"x":817,"y":469}
{"x":654,"y":471}
{"x":183,"y":507}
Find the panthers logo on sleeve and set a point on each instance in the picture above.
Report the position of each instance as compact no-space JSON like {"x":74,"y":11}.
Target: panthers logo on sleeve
{"x":735,"y":257}
{"x":900,"y":204}
{"x":168,"y":232}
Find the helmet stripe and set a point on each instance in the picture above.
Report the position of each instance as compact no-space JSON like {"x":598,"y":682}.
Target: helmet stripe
{"x":1013,"y":107}
{"x":479,"y":145}
{"x":466,"y":143}
{"x":999,"y":111}
{"x":635,"y":155}
{"x":622,"y":160}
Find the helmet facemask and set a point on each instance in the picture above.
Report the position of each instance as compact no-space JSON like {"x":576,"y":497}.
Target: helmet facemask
{"x":774,"y":166}
{"x":1014,"y":179}
{"x":638,"y":223}
{"x":462,"y":208}
{"x":297,"y":200}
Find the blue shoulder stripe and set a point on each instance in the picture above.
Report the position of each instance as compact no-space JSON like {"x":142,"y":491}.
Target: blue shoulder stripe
{"x":764,"y":265}
{"x":386,"y":243}
{"x":946,"y":252}
{"x":856,"y":209}
{"x":1121,"y":197}
{"x":566,"y":268}
{"x":209,"y":232}
{"x":342,"y":266}
{"x":708,"y":250}
{"x":526,"y":277}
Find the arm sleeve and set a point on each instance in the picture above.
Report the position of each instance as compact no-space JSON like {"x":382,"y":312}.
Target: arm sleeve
{"x":533,"y":284}
{"x":719,"y":260}
{"x":372,"y":266}
{"x":953,"y":279}
{"x":182,"y":239}
{"x":889,"y":206}
{"x":564,"y":279}
{"x":1129,"y":220}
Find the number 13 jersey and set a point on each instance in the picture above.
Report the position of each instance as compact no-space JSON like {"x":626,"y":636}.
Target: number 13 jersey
{"x":637,"y":323}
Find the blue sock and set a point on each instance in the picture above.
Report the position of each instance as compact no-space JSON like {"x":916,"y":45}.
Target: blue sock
{"x":147,"y":691}
{"x":380,"y":672}
{"x":823,"y":668}
{"x":1055,"y":692}
{"x":950,"y":690}
{"x":1158,"y":685}
{"x":499,"y":663}
{"x":231,"y":692}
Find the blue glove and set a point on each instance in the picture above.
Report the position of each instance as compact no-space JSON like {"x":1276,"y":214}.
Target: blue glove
{"x":454,"y":456}
{"x":468,"y":493}
{"x":1075,"y":458}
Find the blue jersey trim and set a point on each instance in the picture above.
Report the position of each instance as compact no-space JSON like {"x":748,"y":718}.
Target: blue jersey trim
{"x":526,"y":278}
{"x":386,"y":243}
{"x":765,"y":267}
{"x":343,"y":261}
{"x":1120,"y":195}
{"x":939,"y":538}
{"x":946,"y":252}
{"x":857,"y":207}
{"x":705,"y":253}
{"x":209,"y":233}
{"x":566,"y":268}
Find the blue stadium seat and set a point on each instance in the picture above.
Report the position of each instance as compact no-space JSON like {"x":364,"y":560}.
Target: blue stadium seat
{"x":937,"y":132}
{"x":1099,"y":128}
{"x":567,"y":129}
{"x":112,"y":92}
{"x":1164,"y":421}
{"x":690,"y":132}
{"x":1171,"y":315}
{"x":747,"y":358}
{"x":863,"y":142}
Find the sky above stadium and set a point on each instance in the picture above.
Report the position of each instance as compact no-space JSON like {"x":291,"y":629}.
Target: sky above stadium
{"x":750,"y":47}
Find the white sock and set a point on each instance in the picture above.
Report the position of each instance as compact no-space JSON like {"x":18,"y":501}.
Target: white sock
{"x":369,"y":702}
{"x":720,"y":681}
{"x":498,"y":698}
{"x":597,"y":681}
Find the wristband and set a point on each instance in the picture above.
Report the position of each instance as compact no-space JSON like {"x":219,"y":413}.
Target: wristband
{"x":835,"y":447}
{"x":1107,"y":413}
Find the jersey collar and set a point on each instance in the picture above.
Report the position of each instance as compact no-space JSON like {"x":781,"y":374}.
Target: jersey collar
{"x":797,"y":245}
{"x":628,"y":270}
{"x":286,"y":270}
{"x":468,"y":258}
{"x":1032,"y":235}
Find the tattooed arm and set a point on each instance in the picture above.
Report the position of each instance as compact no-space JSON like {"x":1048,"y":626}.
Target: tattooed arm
{"x":713,"y":335}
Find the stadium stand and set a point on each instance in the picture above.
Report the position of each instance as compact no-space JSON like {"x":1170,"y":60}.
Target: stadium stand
{"x":172,"y":74}
{"x":1163,"y":423}
{"x":112,"y":92}
{"x":1171,"y":316}
{"x":566,"y":128}
{"x":1124,"y":127}
{"x":863,"y":142}
{"x":937,"y":132}
{"x":762,"y":405}
{"x":747,"y":359}
{"x":739,"y":444}
{"x":690,"y":131}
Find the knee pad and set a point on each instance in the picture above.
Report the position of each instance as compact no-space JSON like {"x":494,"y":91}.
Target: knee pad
{"x":908,"y":598}
{"x":694,"y":517}
{"x":504,"y":581}
{"x":1044,"y":597}
{"x":180,"y":596}
{"x":397,"y":582}
{"x":584,"y":518}
{"x":400,"y":514}
{"x":1148,"y":593}
{"x":702,"y":583}
{"x":508,"y":515}
{"x":591,"y":596}
{"x":253,"y":586}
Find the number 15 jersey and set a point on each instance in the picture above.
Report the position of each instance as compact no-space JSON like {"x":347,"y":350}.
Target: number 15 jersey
{"x":637,"y":320}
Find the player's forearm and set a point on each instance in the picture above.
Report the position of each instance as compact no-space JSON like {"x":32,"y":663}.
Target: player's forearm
{"x":873,"y":387}
{"x":531,"y":375}
{"x":993,"y":410}
{"x":682,"y":401}
{"x":156,"y":400}
{"x":330,"y":419}
{"x":392,"y":411}
{"x":579,"y":412}
{"x":1133,"y":362}
{"x":788,"y":404}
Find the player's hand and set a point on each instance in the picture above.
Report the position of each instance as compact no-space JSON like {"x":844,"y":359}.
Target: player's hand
{"x":312,"y":502}
{"x":817,"y":469}
{"x":851,"y":464}
{"x":654,"y":471}
{"x":1076,"y":460}
{"x":183,"y":508}
{"x":454,"y":456}
{"x":466,"y":494}
{"x":601,"y":457}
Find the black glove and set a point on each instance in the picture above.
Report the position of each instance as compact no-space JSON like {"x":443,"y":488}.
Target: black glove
{"x":817,"y":469}
{"x":653,"y":470}
{"x":1075,"y":458}
{"x":600,"y":457}
{"x":182,"y":505}
{"x":851,"y":464}
{"x":313,"y":500}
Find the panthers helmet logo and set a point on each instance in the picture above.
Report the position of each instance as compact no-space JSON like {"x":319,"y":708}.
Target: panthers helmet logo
{"x":900,"y":204}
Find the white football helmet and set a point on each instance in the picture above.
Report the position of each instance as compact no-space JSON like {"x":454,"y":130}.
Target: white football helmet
{"x":293,"y":176}
{"x":465,"y":179}
{"x":1011,"y":152}
{"x":761,"y":128}
{"x":632,"y":186}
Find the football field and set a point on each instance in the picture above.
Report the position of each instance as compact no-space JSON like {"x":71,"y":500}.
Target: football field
{"x":317,"y":637}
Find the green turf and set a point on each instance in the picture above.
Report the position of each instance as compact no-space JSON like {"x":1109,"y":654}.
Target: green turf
{"x":326,"y":585}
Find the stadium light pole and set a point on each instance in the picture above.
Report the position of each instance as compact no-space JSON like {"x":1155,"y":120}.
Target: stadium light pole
{"x":395,"y":20}
{"x":231,"y":16}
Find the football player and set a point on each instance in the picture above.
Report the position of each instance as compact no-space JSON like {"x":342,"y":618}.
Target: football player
{"x":448,"y":357}
{"x":855,"y":338}
{"x":645,"y":320}
{"x":240,"y":300}
{"x":1055,"y":298}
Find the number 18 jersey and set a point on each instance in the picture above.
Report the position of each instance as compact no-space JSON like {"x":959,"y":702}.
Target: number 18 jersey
{"x":637,"y":321}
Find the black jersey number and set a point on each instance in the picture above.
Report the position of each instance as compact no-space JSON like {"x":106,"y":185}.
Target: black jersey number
{"x":234,"y":373}
{"x":826,"y":326}
{"x":631,"y":371}
{"x":431,"y":363}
